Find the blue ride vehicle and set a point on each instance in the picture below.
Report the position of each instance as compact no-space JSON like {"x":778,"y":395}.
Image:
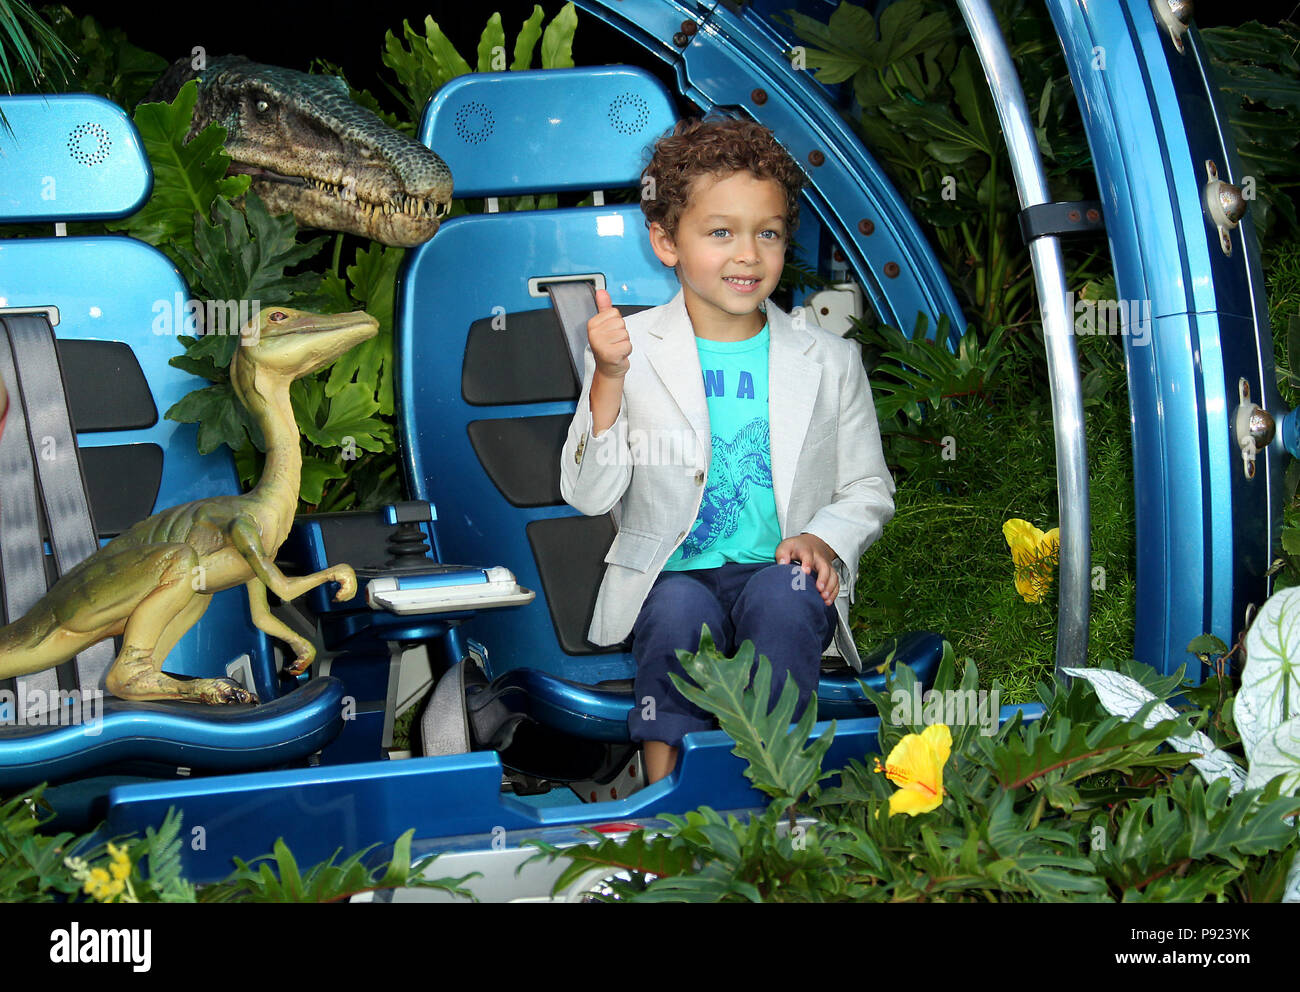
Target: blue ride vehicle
{"x":481,"y":587}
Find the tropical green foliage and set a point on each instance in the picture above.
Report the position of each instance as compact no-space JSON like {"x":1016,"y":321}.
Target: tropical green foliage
{"x":780,"y":765}
{"x":36,"y":866}
{"x":188,"y":175}
{"x":106,"y":63}
{"x":27,"y":45}
{"x":422,"y":63}
{"x":1080,"y":805}
{"x":923,"y":109}
{"x":326,"y":882}
{"x":31,"y":862}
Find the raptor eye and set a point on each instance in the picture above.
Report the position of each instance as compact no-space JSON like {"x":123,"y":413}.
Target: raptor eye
{"x":279,"y":315}
{"x":263,"y":106}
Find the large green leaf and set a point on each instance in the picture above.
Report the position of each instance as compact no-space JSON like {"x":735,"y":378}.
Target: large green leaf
{"x":557,"y":39}
{"x":782,"y":763}
{"x":530,"y":32}
{"x":1062,"y":751}
{"x":315,"y":473}
{"x":906,"y":30}
{"x":422,"y":65}
{"x":244,"y":256}
{"x":345,"y":420}
{"x":374,"y":280}
{"x":642,"y":852}
{"x":187,"y":175}
{"x":492,"y":44}
{"x":219,"y":414}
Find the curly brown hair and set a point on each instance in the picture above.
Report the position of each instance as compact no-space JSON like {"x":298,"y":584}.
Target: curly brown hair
{"x":717,"y":147}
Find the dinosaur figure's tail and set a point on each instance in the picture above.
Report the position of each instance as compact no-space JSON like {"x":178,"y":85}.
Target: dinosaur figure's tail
{"x":25,"y":644}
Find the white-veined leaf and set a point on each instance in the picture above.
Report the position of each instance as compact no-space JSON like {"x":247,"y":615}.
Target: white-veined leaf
{"x":1123,"y":696}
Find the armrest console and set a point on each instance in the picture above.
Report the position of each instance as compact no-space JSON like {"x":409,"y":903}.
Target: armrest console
{"x":445,"y":589}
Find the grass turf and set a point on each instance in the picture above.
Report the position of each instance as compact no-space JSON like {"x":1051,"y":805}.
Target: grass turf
{"x":943,"y":564}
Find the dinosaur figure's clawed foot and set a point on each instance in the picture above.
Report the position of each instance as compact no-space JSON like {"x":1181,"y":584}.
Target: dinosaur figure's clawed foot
{"x":136,"y":678}
{"x":221,"y":691}
{"x":306,"y":655}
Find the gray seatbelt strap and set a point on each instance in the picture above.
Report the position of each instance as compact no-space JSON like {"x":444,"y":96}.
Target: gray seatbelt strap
{"x":575,"y":304}
{"x":58,"y":466}
{"x":22,"y":556}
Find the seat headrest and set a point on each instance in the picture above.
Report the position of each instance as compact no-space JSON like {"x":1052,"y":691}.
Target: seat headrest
{"x":547,"y":130}
{"x":69,"y":157}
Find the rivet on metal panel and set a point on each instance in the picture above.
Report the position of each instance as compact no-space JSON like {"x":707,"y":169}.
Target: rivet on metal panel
{"x":1224,"y":203}
{"x":1254,"y":428}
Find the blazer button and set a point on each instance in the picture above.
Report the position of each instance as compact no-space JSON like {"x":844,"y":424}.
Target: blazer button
{"x":699,"y":477}
{"x":577,"y":455}
{"x":681,"y":537}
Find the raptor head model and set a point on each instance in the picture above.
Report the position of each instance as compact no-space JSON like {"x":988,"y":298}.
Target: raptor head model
{"x":314,"y":153}
{"x":285,"y":344}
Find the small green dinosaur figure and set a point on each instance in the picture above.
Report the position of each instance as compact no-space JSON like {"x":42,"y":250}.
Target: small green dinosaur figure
{"x":142,"y":584}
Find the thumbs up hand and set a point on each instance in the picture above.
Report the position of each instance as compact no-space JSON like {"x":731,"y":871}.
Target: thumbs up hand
{"x":607,"y":335}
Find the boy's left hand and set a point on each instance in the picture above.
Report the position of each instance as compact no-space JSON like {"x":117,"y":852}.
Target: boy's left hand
{"x":815,"y":555}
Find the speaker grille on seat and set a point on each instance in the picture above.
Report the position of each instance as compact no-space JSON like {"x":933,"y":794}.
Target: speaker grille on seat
{"x":474,"y":123}
{"x":89,"y":143}
{"x":628,"y":113}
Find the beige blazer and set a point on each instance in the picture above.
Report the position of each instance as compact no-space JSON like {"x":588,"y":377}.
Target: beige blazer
{"x":828,"y":470}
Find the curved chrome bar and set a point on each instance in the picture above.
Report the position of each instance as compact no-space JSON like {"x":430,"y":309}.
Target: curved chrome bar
{"x":1062,"y":364}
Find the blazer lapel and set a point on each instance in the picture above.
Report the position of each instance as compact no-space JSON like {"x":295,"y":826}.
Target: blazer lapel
{"x":673,"y":355}
{"x":793,"y":383}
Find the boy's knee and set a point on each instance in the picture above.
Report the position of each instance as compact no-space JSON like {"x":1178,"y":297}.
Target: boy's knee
{"x":787,"y":591}
{"x":679,"y":606}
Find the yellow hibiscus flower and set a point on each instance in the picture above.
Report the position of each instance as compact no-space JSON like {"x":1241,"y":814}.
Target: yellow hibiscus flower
{"x":916,"y":765}
{"x":1034,"y":555}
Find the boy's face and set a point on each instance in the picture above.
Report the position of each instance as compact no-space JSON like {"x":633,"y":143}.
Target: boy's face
{"x":729,"y":249}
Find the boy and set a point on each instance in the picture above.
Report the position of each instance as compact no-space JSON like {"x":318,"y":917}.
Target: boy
{"x":763,"y":480}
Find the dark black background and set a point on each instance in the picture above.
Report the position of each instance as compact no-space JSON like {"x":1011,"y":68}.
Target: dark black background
{"x":351,"y":32}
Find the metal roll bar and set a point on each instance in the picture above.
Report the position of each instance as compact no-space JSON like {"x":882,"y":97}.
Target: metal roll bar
{"x":1062,"y":363}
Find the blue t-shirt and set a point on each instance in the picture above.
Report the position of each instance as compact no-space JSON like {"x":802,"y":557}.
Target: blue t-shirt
{"x":737,"y":519}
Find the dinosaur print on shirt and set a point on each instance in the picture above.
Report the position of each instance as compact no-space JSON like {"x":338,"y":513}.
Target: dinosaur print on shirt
{"x":737,"y":518}
{"x":738,"y":467}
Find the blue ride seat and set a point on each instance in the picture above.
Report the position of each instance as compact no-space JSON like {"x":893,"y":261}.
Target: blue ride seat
{"x":92,"y":322}
{"x":489,"y":373}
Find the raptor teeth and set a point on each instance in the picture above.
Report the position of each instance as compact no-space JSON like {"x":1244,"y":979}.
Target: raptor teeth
{"x":404,"y":203}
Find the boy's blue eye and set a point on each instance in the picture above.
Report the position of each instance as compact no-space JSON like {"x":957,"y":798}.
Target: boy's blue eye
{"x":720,"y":230}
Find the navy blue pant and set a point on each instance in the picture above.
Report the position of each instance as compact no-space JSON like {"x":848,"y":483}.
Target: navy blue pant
{"x":775,"y":606}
